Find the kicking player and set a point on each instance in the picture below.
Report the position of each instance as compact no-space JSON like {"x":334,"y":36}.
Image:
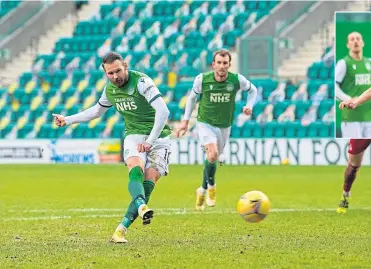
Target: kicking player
{"x":353,"y":77}
{"x":217,"y":91}
{"x":147,"y":143}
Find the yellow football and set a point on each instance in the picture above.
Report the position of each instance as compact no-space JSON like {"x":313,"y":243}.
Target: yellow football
{"x":253,"y":206}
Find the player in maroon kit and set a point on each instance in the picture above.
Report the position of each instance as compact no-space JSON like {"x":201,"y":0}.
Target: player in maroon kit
{"x":356,"y":150}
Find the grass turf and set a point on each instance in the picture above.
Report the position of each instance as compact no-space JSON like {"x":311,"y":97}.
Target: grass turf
{"x":62,"y":216}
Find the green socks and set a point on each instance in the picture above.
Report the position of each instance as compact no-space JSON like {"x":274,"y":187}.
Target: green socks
{"x":209,"y":174}
{"x":148,"y":188}
{"x":136,"y":190}
{"x":132,"y":212}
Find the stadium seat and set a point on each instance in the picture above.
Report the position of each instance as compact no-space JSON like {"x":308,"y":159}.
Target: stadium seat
{"x":59,"y":93}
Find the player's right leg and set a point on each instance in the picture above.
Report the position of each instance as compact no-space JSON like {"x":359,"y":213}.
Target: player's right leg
{"x":135,"y":162}
{"x":356,"y":150}
{"x":208,"y":136}
{"x":351,"y":130}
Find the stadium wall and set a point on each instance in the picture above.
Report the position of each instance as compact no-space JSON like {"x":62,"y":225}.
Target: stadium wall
{"x":184,"y":151}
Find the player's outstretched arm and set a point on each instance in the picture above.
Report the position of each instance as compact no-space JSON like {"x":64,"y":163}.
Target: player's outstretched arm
{"x":87,"y":115}
{"x":191,"y":102}
{"x":84,"y":116}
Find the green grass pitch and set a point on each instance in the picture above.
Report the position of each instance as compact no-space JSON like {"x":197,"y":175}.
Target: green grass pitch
{"x":62,"y":216}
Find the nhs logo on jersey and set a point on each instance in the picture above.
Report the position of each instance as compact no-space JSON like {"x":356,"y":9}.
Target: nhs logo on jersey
{"x":363,"y":79}
{"x":220,"y":97}
{"x":124,"y":104}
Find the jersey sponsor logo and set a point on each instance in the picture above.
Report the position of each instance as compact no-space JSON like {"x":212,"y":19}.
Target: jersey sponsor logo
{"x":230,"y":87}
{"x":124,"y":106}
{"x":220,"y":97}
{"x":363,"y":79}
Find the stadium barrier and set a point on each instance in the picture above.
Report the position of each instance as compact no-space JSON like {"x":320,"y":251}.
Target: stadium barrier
{"x":184,"y":151}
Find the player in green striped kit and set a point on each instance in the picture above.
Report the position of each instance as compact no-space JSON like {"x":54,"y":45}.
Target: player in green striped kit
{"x":217,"y":91}
{"x":147,"y":143}
{"x":353,"y":77}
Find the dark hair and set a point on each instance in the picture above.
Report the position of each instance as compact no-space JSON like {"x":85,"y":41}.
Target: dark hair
{"x":110,"y":57}
{"x":222,"y":53}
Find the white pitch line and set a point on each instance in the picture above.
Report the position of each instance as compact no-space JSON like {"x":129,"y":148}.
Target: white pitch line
{"x":171,"y":210}
{"x":168,"y":211}
{"x":86,"y":210}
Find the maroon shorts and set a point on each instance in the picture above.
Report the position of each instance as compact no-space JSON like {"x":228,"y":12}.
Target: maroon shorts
{"x":357,"y":146}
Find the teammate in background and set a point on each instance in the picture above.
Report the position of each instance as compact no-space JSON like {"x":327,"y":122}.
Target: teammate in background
{"x":217,"y":91}
{"x":356,"y":150}
{"x":147,"y":143}
{"x":353,"y":77}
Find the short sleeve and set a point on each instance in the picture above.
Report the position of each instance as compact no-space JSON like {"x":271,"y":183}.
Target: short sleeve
{"x":197,"y":84}
{"x":103,"y":100}
{"x":340,"y":71}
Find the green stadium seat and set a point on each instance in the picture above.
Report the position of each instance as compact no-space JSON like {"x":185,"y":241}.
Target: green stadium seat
{"x":279,"y":108}
{"x":79,"y":131}
{"x":90,"y":35}
{"x":258,"y":108}
{"x":248,"y":129}
{"x":290,"y":90}
{"x":236,"y":131}
{"x":314,"y":128}
{"x":240,"y":19}
{"x":268,"y":129}
{"x":22,"y":133}
{"x":301,"y":108}
{"x":251,"y":5}
{"x":291,"y":129}
{"x":118,"y":130}
{"x":324,"y":73}
{"x":218,"y":19}
{"x":302,"y":132}
{"x":6,"y":130}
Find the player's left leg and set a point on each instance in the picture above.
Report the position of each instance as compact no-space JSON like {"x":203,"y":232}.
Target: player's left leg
{"x":135,"y":162}
{"x":208,"y":136}
{"x":151,"y":176}
{"x":222,"y":139}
